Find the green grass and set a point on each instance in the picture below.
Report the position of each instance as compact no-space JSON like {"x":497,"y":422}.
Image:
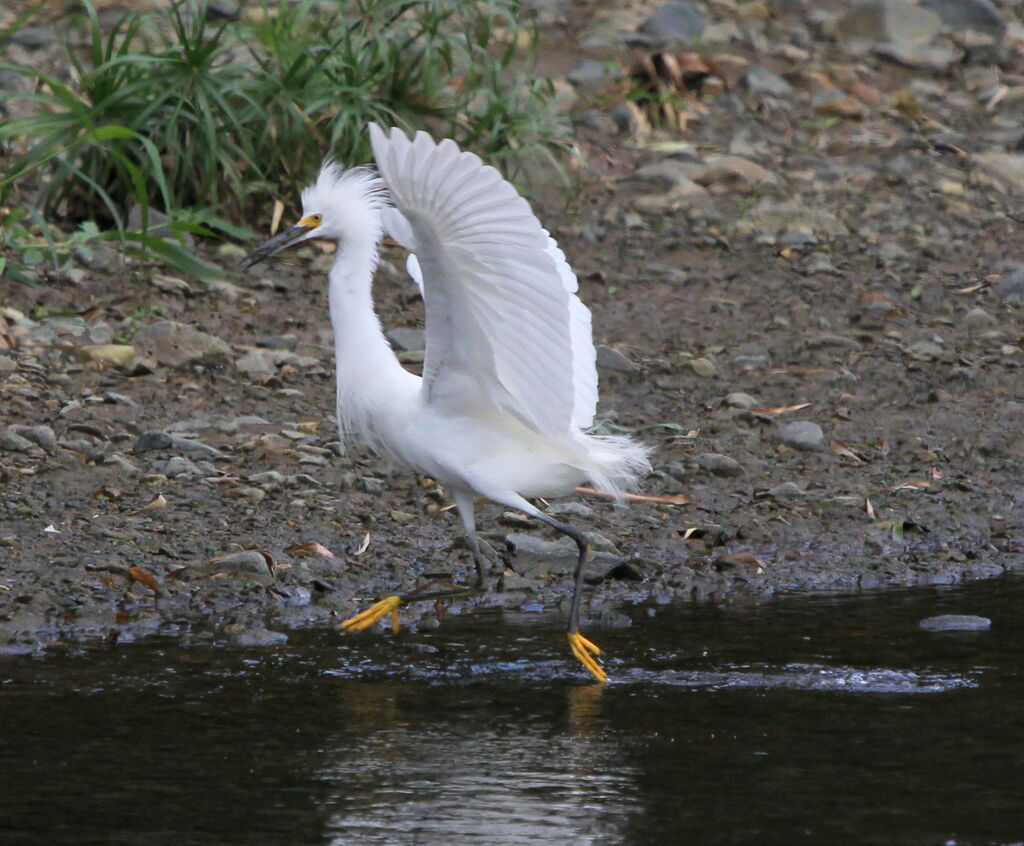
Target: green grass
{"x":207,"y":122}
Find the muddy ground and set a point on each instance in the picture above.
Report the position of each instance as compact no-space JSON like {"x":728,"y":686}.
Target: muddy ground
{"x":853,"y":265}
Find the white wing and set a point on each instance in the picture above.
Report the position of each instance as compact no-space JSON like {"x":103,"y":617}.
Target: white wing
{"x":500,"y":297}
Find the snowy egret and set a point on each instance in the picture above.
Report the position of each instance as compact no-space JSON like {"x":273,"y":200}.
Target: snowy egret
{"x":509,"y":383}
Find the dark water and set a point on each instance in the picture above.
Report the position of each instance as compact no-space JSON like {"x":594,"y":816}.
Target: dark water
{"x":804,"y":720}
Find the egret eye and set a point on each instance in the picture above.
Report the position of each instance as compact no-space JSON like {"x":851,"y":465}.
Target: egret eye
{"x":311,"y":221}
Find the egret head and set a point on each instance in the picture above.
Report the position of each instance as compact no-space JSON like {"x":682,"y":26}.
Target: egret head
{"x":341,"y":205}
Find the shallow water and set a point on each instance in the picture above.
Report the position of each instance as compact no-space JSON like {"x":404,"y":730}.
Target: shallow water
{"x":807,"y":719}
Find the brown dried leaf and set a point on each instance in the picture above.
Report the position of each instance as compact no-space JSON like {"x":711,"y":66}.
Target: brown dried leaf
{"x":870,"y":509}
{"x":781,"y":409}
{"x":844,"y":451}
{"x":310,"y":549}
{"x":913,"y":485}
{"x":364,"y":545}
{"x":158,"y":503}
{"x":140,"y":574}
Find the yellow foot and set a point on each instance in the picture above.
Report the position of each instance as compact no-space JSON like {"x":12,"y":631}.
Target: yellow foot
{"x":365,"y":619}
{"x":585,"y":651}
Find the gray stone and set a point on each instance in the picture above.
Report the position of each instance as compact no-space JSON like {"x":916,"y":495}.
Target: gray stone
{"x":889,"y":20}
{"x":411,"y":340}
{"x":1006,"y":170}
{"x":766,"y":83}
{"x":180,"y":466}
{"x":978,"y":320}
{"x":920,"y":56}
{"x":675,"y":22}
{"x":42,"y":435}
{"x":258,"y":636}
{"x":738,"y":399}
{"x":979,"y":15}
{"x":533,"y":557}
{"x":34,"y":37}
{"x":609,"y":358}
{"x":571,"y":510}
{"x":152,"y":440}
{"x":178,"y":344}
{"x":956,"y":623}
{"x":801,"y":434}
{"x":773,"y":217}
{"x":1011,"y":287}
{"x":588,"y":72}
{"x":10,"y":441}
{"x":258,"y":362}
{"x":719,"y":465}
{"x":786,"y":490}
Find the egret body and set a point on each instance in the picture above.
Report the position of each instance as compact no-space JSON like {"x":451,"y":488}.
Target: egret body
{"x":509,"y":383}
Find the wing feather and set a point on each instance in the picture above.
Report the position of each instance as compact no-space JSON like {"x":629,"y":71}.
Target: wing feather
{"x":500,"y":296}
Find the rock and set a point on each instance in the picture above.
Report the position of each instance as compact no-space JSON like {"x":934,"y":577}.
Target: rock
{"x":222,"y":10}
{"x":41,"y":435}
{"x":34,"y":37}
{"x":719,"y":465}
{"x":801,"y":434}
{"x":833,"y":101}
{"x":773,"y":217}
{"x":738,"y":399}
{"x":921,"y":56}
{"x":889,"y":20}
{"x":766,"y":83}
{"x":177,"y":344}
{"x":978,"y":320}
{"x":702,"y":367}
{"x":179,"y":466}
{"x":152,"y":440}
{"x":412,"y":340}
{"x":1011,"y":287}
{"x":926,"y":350}
{"x":956,"y":623}
{"x":609,"y":358}
{"x":571,"y":510}
{"x":979,"y":15}
{"x":533,"y":557}
{"x":258,"y":362}
{"x":1006,"y":170}
{"x":673,"y":23}
{"x":10,"y":441}
{"x":787,"y":490}
{"x":588,"y":72}
{"x":121,"y":355}
{"x":733,"y":170}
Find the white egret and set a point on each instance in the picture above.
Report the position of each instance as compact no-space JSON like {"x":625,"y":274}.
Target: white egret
{"x":509,"y":383}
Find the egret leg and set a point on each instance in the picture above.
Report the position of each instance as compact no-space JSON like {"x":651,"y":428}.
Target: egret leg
{"x":390,"y":604}
{"x":583,"y":649}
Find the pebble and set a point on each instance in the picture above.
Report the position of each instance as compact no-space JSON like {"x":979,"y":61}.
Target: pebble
{"x":674,"y":22}
{"x":786,"y":490}
{"x":609,"y":358}
{"x":801,"y":434}
{"x":764,"y":82}
{"x":922,"y":56}
{"x":571,"y":510}
{"x":702,"y":367}
{"x":719,"y":465}
{"x":10,"y":441}
{"x":176,"y":344}
{"x":533,"y":557}
{"x":34,"y":37}
{"x":180,"y":466}
{"x":889,"y":20}
{"x":41,"y":435}
{"x":958,"y":15}
{"x":956,"y":623}
{"x":241,"y":636}
{"x":407,"y":339}
{"x":738,"y":399}
{"x":1011,"y":287}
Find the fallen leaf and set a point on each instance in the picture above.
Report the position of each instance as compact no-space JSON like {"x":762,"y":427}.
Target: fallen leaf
{"x":310,"y":549}
{"x":364,"y":545}
{"x":781,"y":409}
{"x":842,"y":450}
{"x":912,"y":485}
{"x":140,"y":574}
{"x":276,"y":215}
{"x":156,"y":504}
{"x":869,"y":508}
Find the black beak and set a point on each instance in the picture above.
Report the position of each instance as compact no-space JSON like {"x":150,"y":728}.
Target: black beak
{"x":279,"y":242}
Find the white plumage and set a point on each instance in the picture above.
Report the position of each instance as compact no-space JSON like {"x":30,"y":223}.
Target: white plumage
{"x":509,"y":381}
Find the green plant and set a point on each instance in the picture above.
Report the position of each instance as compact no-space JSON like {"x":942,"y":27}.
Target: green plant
{"x":203,"y":121}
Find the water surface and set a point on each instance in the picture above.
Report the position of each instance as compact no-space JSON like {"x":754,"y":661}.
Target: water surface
{"x":806,"y":719}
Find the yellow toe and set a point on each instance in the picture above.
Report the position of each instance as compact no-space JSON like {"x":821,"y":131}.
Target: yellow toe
{"x":365,"y":619}
{"x":585,"y":651}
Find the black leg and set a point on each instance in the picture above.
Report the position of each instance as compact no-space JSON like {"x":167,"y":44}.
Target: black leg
{"x":583,"y":545}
